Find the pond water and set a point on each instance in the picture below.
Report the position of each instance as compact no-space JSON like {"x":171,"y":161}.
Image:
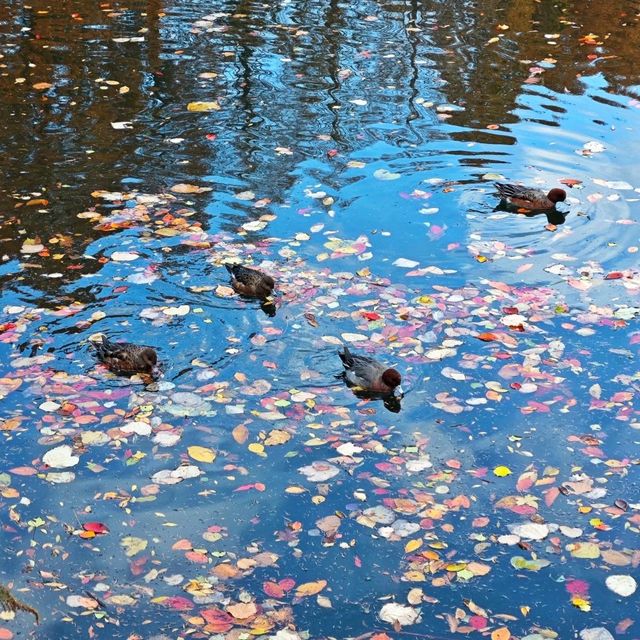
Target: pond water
{"x":349,"y":150}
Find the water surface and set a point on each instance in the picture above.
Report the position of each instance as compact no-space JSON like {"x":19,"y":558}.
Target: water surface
{"x":348,"y":149}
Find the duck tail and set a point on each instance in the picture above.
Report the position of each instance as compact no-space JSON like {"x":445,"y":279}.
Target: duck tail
{"x":505,"y":190}
{"x":230,"y":268}
{"x":346,"y":357}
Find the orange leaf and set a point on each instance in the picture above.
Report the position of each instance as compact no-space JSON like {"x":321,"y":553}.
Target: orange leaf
{"x":310,"y":588}
{"x":501,"y":634}
{"x":487,"y":337}
{"x":240,"y":434}
{"x":182,"y":545}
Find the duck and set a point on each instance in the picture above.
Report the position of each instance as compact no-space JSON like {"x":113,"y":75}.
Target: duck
{"x":126,"y":358}
{"x":250,"y":282}
{"x":370,"y":375}
{"x":530,"y":198}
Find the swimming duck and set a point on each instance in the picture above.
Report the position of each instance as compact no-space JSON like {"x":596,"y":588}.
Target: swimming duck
{"x":250,"y":282}
{"x":369,"y":374}
{"x":126,"y":358}
{"x":530,"y":198}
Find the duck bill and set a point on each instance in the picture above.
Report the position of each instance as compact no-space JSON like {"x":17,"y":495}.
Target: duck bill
{"x":398,"y":392}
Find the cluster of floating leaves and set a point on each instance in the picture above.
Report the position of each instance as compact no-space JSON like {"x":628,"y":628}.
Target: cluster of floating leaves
{"x":465,"y":352}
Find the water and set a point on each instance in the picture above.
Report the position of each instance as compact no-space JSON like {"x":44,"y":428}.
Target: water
{"x":349,"y":149}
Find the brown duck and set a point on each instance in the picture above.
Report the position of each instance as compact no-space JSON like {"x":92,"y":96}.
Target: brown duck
{"x":125,"y":358}
{"x":250,"y":282}
{"x":369,"y":374}
{"x":530,"y":198}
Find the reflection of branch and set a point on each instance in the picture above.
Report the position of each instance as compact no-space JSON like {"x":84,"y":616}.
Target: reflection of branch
{"x":332,"y":32}
{"x":154,"y":9}
{"x":413,"y":81}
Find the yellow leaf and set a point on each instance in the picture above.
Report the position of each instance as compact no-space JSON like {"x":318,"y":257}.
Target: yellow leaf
{"x":203,"y":106}
{"x":500,"y":634}
{"x":502,"y":471}
{"x":295,"y":490}
{"x":133,"y":545}
{"x":201,"y":454}
{"x":240,"y":434}
{"x":310,"y":588}
{"x":277,"y":436}
{"x":258,"y":449}
{"x":524,"y":610}
{"x":412,"y":545}
{"x":581,"y":603}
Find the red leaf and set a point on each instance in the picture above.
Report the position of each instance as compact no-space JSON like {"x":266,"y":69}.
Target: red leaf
{"x":287,"y":584}
{"x":178,"y":603}
{"x":570,"y":182}
{"x":96,"y":527}
{"x":487,"y":337}
{"x":614,"y":275}
{"x":273,"y":589}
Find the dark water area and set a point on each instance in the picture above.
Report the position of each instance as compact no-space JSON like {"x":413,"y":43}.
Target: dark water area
{"x":350,"y":151}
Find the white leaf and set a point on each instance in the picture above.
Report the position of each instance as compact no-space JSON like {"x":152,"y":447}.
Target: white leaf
{"x":596,"y":633}
{"x":137,"y":427}
{"x":60,"y":457}
{"x":49,"y":406}
{"x":124,"y":256}
{"x":530,"y":530}
{"x":348,"y":449}
{"x":182,"y":310}
{"x":593,"y":147}
{"x":319,"y":471}
{"x":354,"y":337}
{"x":401,"y":614}
{"x":407,"y":264}
{"x":385,"y":174}
{"x":621,"y":585}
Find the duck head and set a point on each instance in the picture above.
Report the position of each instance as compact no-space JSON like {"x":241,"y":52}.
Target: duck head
{"x":557,"y":195}
{"x":392,"y":379}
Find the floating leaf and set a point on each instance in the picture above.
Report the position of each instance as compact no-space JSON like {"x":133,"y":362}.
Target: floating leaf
{"x":399,"y":614}
{"x":621,"y":585}
{"x":412,"y":545}
{"x":204,"y":106}
{"x":60,"y":457}
{"x":310,"y":588}
{"x":189,"y":188}
{"x":201,"y":454}
{"x":502,"y":471}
